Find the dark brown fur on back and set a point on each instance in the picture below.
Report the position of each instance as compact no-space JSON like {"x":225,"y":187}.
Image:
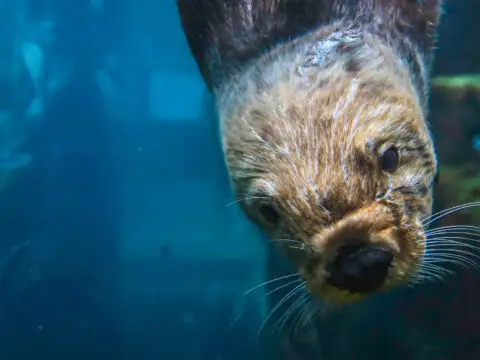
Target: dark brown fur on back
{"x":223,"y":35}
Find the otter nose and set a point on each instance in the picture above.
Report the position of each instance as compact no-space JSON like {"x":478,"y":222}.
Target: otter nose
{"x":360,"y":268}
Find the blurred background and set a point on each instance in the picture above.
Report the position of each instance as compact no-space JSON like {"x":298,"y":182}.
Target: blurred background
{"x":117,"y":240}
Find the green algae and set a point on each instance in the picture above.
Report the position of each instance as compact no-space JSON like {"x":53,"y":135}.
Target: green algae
{"x":458,"y":81}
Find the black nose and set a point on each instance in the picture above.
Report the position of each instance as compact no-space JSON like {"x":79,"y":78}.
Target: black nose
{"x":360,"y":268}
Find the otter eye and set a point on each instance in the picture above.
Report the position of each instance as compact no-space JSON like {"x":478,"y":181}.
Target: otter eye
{"x":389,"y":160}
{"x":268,"y":214}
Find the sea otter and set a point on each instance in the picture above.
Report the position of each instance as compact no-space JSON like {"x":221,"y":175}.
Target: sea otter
{"x":322,"y":108}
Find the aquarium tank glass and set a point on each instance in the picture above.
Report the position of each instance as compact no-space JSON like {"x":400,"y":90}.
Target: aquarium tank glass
{"x":121,"y":237}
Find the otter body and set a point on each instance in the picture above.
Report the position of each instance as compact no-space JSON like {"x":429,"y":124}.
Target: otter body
{"x":322,"y":109}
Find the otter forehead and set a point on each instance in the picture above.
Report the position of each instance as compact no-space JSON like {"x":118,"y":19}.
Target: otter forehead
{"x":331,"y":129}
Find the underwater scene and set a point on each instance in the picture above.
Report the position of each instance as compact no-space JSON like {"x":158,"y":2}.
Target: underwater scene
{"x":239,"y":179}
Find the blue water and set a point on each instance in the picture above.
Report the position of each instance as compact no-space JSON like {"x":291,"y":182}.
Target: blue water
{"x":119,"y":236}
{"x":129,"y":250}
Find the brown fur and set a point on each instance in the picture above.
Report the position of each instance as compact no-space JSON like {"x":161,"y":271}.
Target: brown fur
{"x":303,"y":126}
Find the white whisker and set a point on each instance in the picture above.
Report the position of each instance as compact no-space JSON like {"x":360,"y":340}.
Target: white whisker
{"x":245,"y":199}
{"x":269,"y":282}
{"x":280,"y":303}
{"x":240,"y":314}
{"x":280,"y":323}
{"x":434,"y":243}
{"x":441,"y":214}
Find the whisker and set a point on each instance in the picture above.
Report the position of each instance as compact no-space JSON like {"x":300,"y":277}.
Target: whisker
{"x":453,"y":234}
{"x":441,"y":214}
{"x":287,"y":240}
{"x":472,"y":228}
{"x":435,"y":269}
{"x":460,"y":255}
{"x":314,"y":309}
{"x":475,"y":236}
{"x":427,"y":273}
{"x":302,"y":318}
{"x":449,"y":231}
{"x":433,"y":272}
{"x":451,"y":241}
{"x":269,"y":282}
{"x":280,"y":303}
{"x":280,"y":323}
{"x":244,"y":199}
{"x":447,"y":260}
{"x":454,"y":258}
{"x":301,"y":245}
{"x":452,"y":246}
{"x":245,"y":310}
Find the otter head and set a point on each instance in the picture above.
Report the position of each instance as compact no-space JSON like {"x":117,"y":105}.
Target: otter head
{"x":339,"y":175}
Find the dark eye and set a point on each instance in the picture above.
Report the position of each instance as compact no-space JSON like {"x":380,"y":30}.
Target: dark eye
{"x":269,"y":214}
{"x":389,"y":160}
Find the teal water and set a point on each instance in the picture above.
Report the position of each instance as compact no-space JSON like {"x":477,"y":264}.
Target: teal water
{"x":119,"y":235}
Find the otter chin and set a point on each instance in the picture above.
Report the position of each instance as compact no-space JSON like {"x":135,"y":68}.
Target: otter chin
{"x":322,"y":111}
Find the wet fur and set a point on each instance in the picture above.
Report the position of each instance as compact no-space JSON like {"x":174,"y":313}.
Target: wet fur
{"x":309,"y":94}
{"x":225,"y":35}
